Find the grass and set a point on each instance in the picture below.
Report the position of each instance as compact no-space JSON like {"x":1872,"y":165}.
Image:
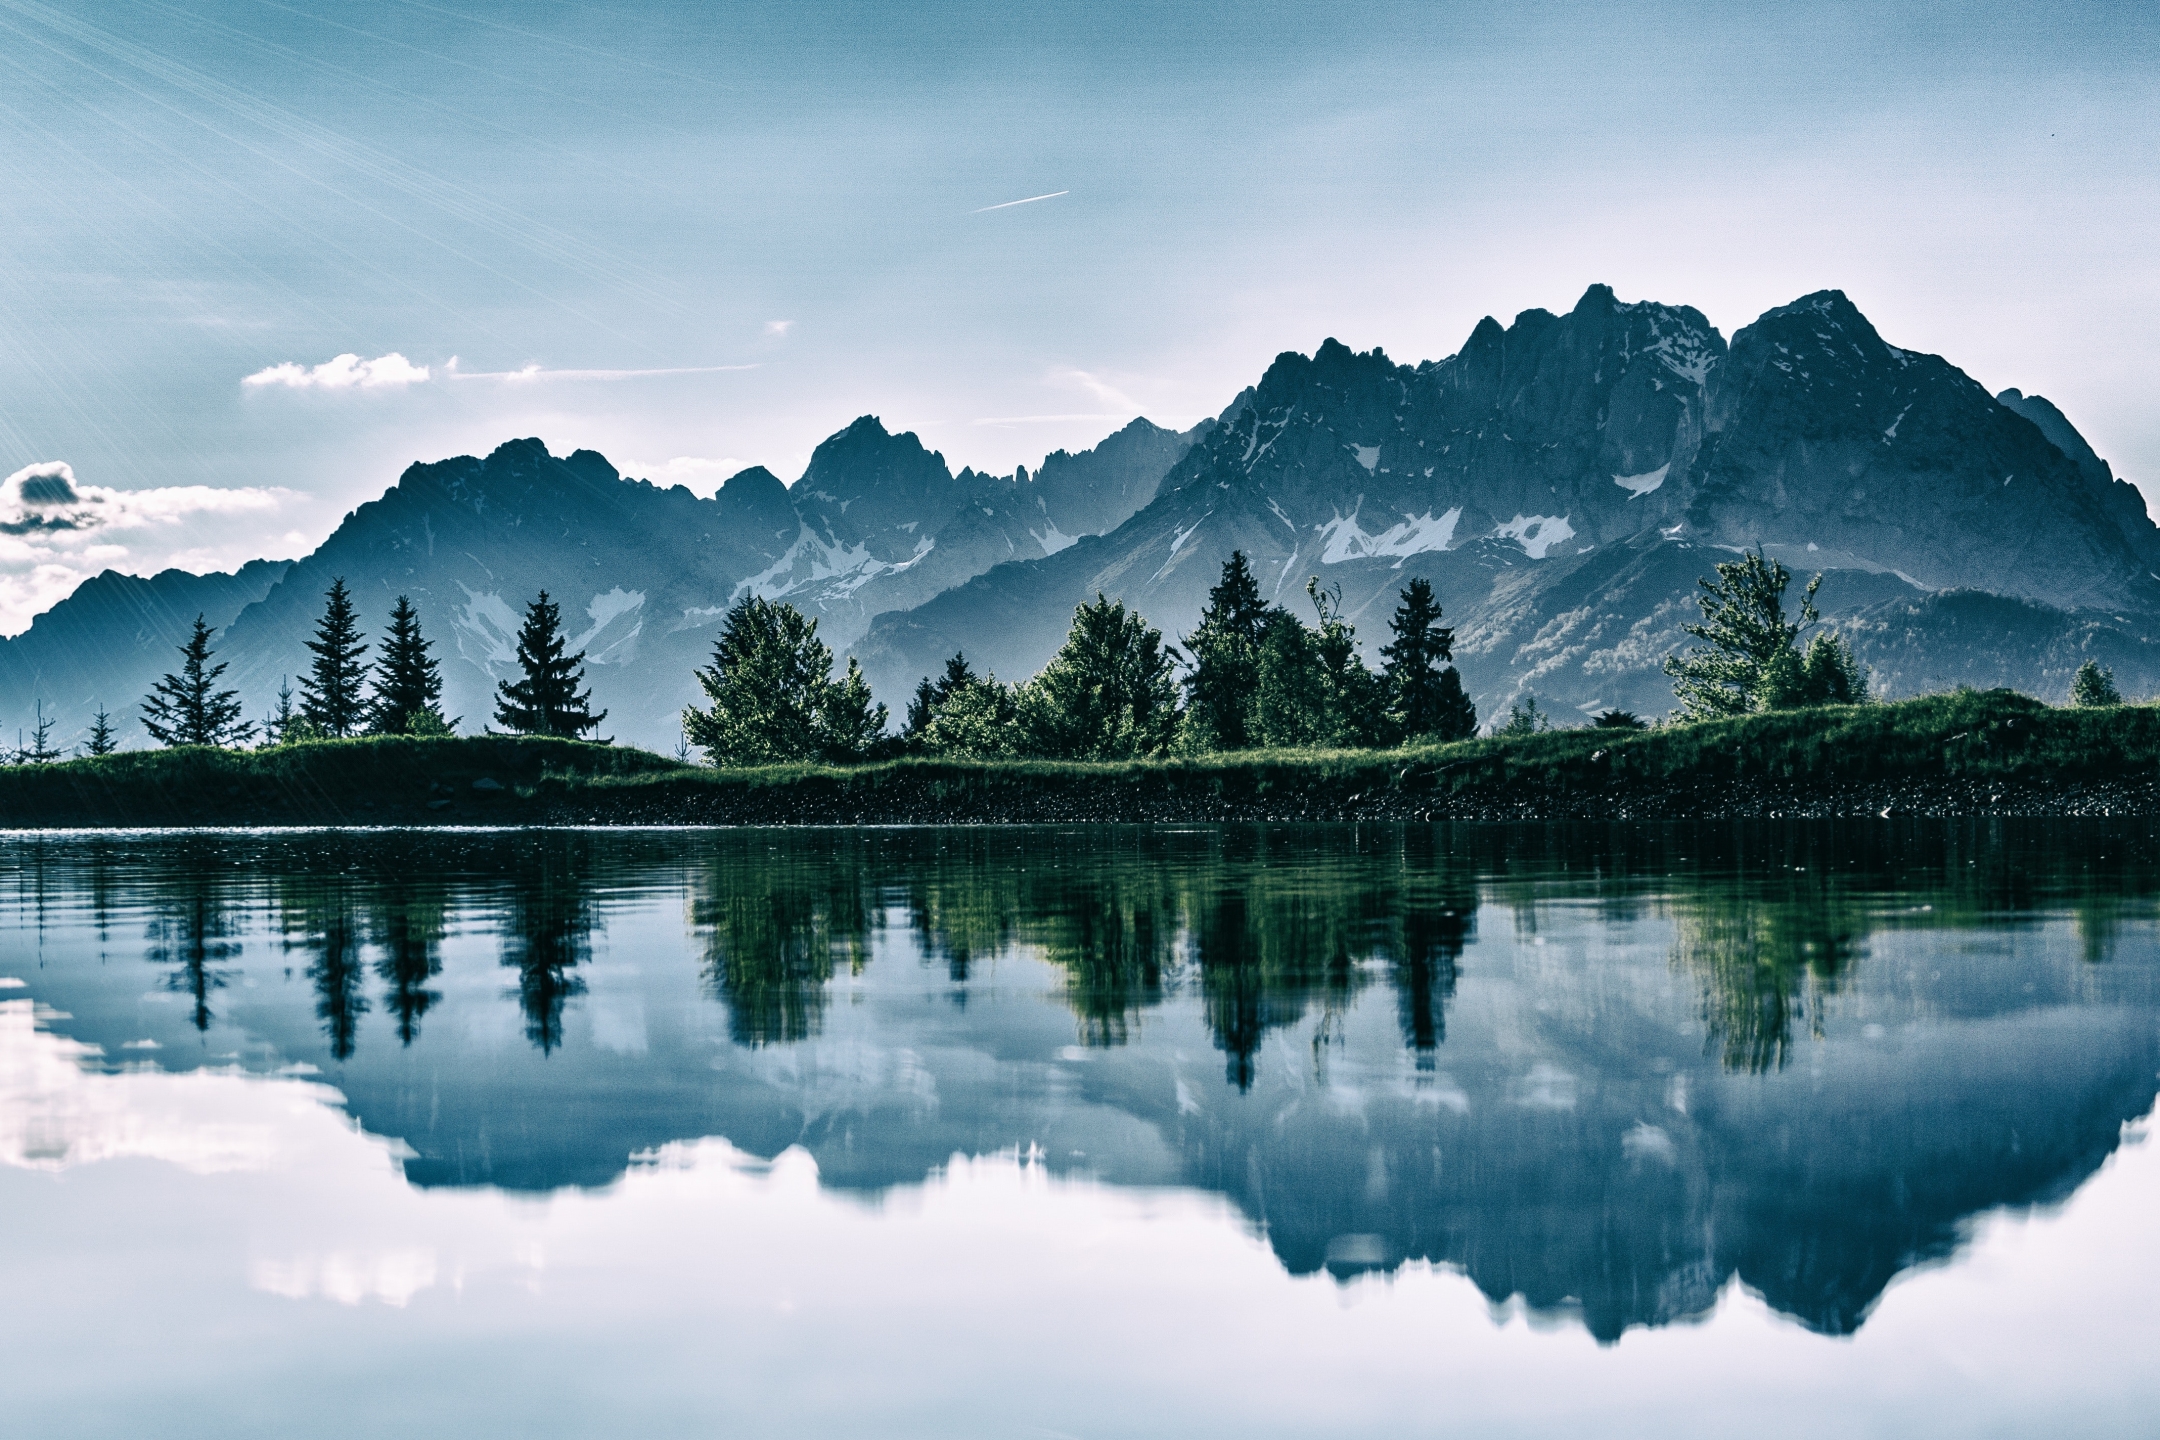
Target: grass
{"x":1962,"y":751}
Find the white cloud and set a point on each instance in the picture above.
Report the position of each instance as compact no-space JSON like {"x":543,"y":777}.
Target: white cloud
{"x":46,"y":503}
{"x":344,"y":372}
{"x":537,"y":372}
{"x":55,"y":532}
{"x":778,"y":327}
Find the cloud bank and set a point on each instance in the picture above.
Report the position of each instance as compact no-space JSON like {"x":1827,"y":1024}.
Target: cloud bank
{"x":345,"y":372}
{"x":55,"y":532}
{"x":47,"y":501}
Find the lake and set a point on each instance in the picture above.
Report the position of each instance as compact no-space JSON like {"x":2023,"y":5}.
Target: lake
{"x":1659,"y":1130}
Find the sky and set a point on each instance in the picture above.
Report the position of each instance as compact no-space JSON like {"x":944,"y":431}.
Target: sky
{"x":257,"y":256}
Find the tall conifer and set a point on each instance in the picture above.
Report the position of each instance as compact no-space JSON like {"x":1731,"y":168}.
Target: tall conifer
{"x":408,"y":680}
{"x":188,"y":708}
{"x":1222,"y":687}
{"x":548,"y":701}
{"x":1419,"y":703}
{"x":101,"y":741}
{"x":330,"y":692}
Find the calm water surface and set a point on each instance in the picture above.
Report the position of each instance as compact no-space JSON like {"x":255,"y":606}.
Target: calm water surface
{"x":1095,"y":1132}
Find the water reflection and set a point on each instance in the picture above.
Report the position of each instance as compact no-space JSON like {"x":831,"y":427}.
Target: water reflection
{"x":1602,"y":1069}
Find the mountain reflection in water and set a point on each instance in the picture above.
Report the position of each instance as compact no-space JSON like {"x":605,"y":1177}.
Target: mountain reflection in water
{"x":1605,"y":1069}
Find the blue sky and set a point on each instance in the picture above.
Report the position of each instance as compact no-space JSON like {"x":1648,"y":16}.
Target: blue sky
{"x":697,"y":237}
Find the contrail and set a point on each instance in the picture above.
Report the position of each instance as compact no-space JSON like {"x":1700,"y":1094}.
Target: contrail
{"x":534,"y":372}
{"x":1029,"y":201}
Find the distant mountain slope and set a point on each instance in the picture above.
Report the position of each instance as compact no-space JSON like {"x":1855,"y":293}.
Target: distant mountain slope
{"x":1565,"y":480}
{"x":643,"y":573}
{"x":108,"y":643}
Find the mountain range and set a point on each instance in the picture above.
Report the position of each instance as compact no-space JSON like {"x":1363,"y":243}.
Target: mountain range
{"x":1563,"y":481}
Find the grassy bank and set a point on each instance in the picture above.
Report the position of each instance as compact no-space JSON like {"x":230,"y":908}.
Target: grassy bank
{"x":1990,"y":752}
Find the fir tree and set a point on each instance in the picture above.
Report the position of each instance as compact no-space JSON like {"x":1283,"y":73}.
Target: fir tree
{"x":40,"y":750}
{"x":550,"y":700}
{"x":1414,"y":677}
{"x":1458,"y":716}
{"x":330,"y":691}
{"x":188,"y":708}
{"x":1222,"y":687}
{"x":102,"y":740}
{"x":278,"y":724}
{"x":408,"y":680}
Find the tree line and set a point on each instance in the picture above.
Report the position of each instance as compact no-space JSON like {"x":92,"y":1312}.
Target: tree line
{"x":1251,"y":675}
{"x":342,"y":694}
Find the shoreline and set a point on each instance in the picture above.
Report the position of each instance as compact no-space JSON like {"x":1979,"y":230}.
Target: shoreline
{"x":1971,"y":754}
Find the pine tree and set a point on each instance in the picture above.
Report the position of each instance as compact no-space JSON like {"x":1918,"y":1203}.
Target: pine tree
{"x":408,"y":680}
{"x":550,"y":700}
{"x":1413,"y":670}
{"x":330,"y":691}
{"x":102,"y":740}
{"x":188,"y":708}
{"x":1222,"y":687}
{"x":1458,"y":716}
{"x":278,"y":725}
{"x":41,"y":750}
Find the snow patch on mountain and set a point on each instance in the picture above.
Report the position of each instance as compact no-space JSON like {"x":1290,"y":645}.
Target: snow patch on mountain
{"x":617,"y":619}
{"x":1643,"y":484}
{"x":1341,"y":538}
{"x":1367,"y":455}
{"x":486,"y":631}
{"x":1536,"y":533}
{"x":1052,"y":539}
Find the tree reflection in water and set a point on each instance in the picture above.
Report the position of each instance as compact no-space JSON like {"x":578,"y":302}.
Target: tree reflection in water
{"x":191,"y":930}
{"x":320,"y":914}
{"x":547,"y":930}
{"x":406,"y":917}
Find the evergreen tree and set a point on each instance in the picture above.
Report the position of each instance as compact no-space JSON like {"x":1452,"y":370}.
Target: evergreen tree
{"x":1108,"y":694}
{"x":550,"y":700}
{"x":188,"y":708}
{"x":330,"y":691}
{"x":1413,"y":669}
{"x":1830,"y":674}
{"x":931,"y":694}
{"x":1223,"y":683}
{"x":774,"y":700}
{"x":101,"y":741}
{"x":41,"y":750}
{"x":1458,"y":716}
{"x":2093,"y":687}
{"x":278,"y":724}
{"x":408,"y":681}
